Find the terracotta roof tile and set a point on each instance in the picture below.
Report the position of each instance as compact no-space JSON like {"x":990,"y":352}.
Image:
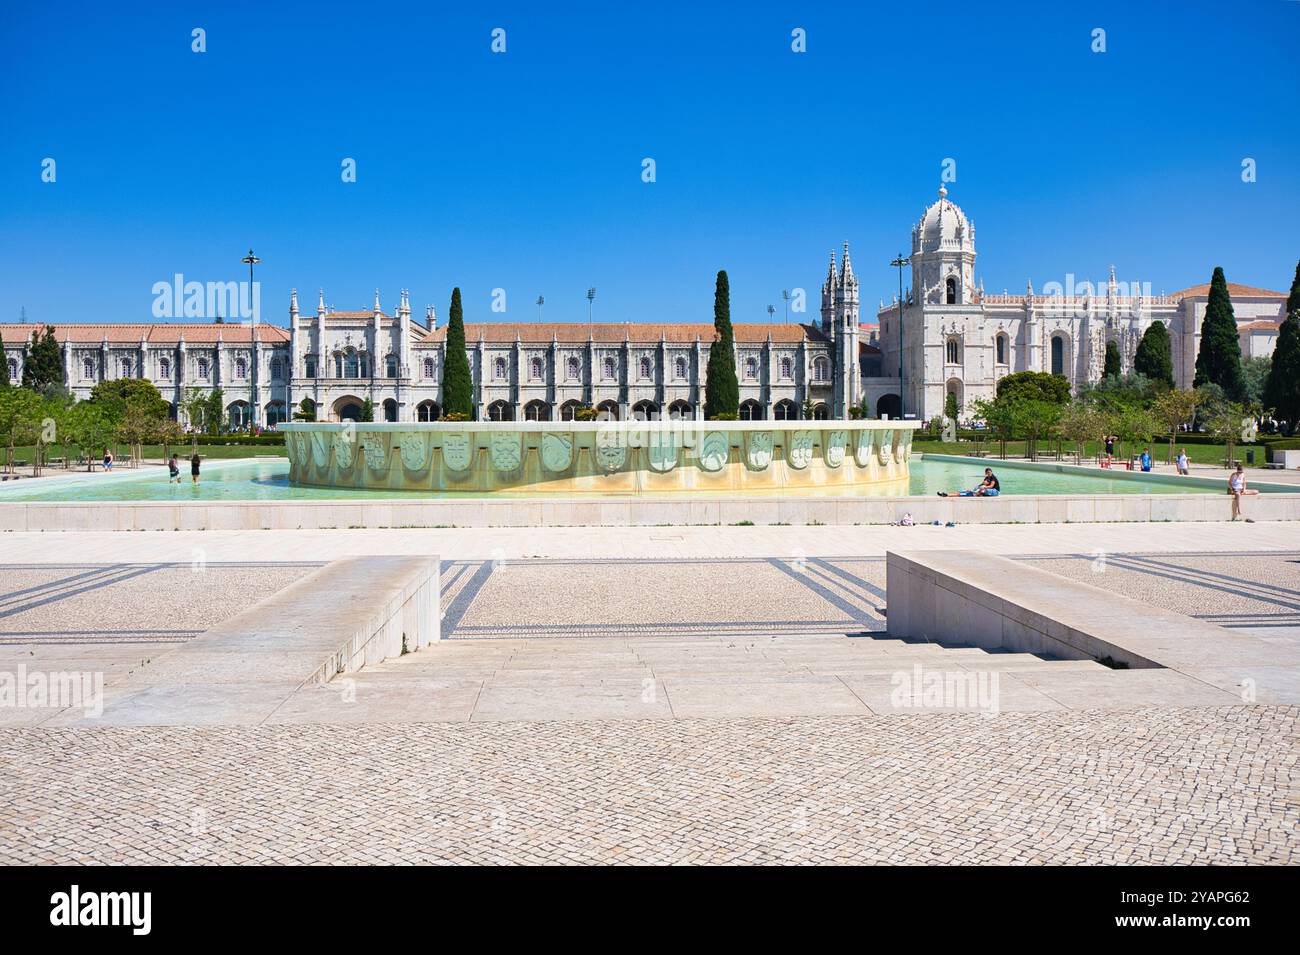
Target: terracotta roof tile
{"x":1262,"y":325}
{"x":161,"y":333}
{"x":1234,"y":291}
{"x":610,"y":333}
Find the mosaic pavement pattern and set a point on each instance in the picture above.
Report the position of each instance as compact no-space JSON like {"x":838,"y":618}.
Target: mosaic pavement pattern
{"x":55,"y":605}
{"x":1170,"y":786}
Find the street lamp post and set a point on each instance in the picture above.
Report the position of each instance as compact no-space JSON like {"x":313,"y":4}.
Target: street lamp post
{"x":770,"y":312}
{"x":785,"y":294}
{"x":252,"y":260}
{"x":899,"y":264}
{"x":591,"y":297}
{"x":541,"y":300}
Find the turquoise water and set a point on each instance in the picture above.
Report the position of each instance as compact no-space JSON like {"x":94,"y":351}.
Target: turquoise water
{"x":268,"y":480}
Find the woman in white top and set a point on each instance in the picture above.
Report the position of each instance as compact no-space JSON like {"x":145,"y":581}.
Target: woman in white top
{"x":1182,"y":461}
{"x":1237,"y":488}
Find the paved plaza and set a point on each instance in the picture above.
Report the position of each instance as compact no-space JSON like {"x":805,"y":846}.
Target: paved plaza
{"x":652,"y":695}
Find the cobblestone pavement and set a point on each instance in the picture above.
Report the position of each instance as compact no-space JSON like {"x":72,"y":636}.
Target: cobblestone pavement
{"x":1208,"y":785}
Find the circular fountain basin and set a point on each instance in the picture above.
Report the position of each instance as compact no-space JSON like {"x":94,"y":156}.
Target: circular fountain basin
{"x":604,"y":457}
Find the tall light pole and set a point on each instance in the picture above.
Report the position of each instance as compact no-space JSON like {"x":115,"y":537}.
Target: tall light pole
{"x":770,"y":312}
{"x":899,"y":264}
{"x":252,"y":260}
{"x":785,"y":294}
{"x":591,"y":297}
{"x":541,"y":300}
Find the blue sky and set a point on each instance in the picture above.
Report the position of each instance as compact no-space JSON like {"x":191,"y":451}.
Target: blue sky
{"x":522,"y":170}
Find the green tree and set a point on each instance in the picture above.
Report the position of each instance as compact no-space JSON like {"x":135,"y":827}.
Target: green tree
{"x":1173,"y":409}
{"x":1035,"y":385}
{"x":306,"y":410}
{"x":87,"y":428}
{"x":1219,"y":359}
{"x":950,"y":407}
{"x":367,"y":410}
{"x":1254,"y":378}
{"x":1114,"y":367}
{"x":1282,"y":390}
{"x":1152,"y":358}
{"x":1080,"y":422}
{"x":194,"y":404}
{"x":999,"y":416}
{"x":722,"y":390}
{"x":20,"y":410}
{"x":457,"y":384}
{"x":1225,"y":420}
{"x":42,"y":363}
{"x":4,"y":365}
{"x":214,"y":418}
{"x":114,"y":396}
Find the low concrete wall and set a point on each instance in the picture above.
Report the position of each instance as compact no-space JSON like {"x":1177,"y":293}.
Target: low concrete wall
{"x":351,"y":612}
{"x":631,"y":512}
{"x":979,"y":599}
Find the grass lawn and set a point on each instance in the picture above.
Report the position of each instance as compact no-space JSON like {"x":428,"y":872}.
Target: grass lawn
{"x":1212,"y":454}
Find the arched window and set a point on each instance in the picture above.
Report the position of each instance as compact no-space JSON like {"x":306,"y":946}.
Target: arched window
{"x":537,"y":373}
{"x":786,"y":410}
{"x":787,"y":368}
{"x":751,"y":367}
{"x":426,"y":411}
{"x":125,"y":367}
{"x":751,"y":410}
{"x":572,"y":369}
{"x":13,"y":369}
{"x":821,"y":369}
{"x":609,"y":409}
{"x":390,"y":368}
{"x":428,"y":368}
{"x":203,"y":368}
{"x":821,"y":412}
{"x":87,"y":369}
{"x":680,"y":367}
{"x":164,"y":368}
{"x":277,"y":369}
{"x":390,"y":409}
{"x":679,"y":409}
{"x":646,"y":367}
{"x":952,"y":351}
{"x":274,"y":413}
{"x":309,"y":366}
{"x":1001,"y":348}
{"x":241,"y":368}
{"x":569,"y":410}
{"x":499,"y":411}
{"x":1058,"y":355}
{"x":499,"y":371}
{"x":537,"y":411}
{"x":645,"y":411}
{"x":351,"y":365}
{"x":952,"y":290}
{"x":608,"y":367}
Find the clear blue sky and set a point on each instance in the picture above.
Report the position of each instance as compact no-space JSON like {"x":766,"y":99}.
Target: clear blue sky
{"x":523,"y":171}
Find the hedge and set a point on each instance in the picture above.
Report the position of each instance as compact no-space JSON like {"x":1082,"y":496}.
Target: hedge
{"x":261,"y":440}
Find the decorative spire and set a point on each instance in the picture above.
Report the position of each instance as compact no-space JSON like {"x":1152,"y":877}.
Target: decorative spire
{"x":377,"y":308}
{"x":320,"y":303}
{"x":943,"y":191}
{"x":846,"y":267}
{"x":830,"y":272}
{"x":293,"y":302}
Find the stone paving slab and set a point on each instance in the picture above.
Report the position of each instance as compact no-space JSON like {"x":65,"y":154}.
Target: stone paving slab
{"x":1165,"y":786}
{"x":791,"y":697}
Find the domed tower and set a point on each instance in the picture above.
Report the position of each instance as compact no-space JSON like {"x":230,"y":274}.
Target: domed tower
{"x":943,"y":255}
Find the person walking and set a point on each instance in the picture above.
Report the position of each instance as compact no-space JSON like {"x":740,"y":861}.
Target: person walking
{"x":174,"y":470}
{"x":194,"y":468}
{"x":1110,"y":445}
{"x":1146,"y":459}
{"x":1182,"y":462}
{"x":1237,"y":488}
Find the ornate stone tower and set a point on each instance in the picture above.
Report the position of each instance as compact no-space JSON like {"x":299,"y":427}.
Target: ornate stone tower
{"x":840,"y":323}
{"x":943,"y":255}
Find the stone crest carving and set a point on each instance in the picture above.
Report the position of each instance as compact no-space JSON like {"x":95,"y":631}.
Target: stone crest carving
{"x":301,"y":451}
{"x":661,"y":450}
{"x":714,"y":451}
{"x":611,"y":449}
{"x":557,"y":451}
{"x":320,"y":448}
{"x":799,"y":453}
{"x":455,"y":450}
{"x":904,"y":452}
{"x":345,"y":448}
{"x":758,"y":450}
{"x":375,"y":451}
{"x":415,"y":450}
{"x":505,"y":452}
{"x":862,"y":453}
{"x":833,"y":450}
{"x":886,"y":446}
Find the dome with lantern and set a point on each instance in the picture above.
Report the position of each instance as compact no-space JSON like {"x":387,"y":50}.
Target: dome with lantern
{"x":943,"y":226}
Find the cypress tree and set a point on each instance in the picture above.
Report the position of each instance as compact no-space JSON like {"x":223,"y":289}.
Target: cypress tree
{"x":1152,"y":357}
{"x":4,"y":365}
{"x":1282,"y":390}
{"x":722,"y":390}
{"x":1113,"y":365}
{"x":457,"y":385}
{"x":1219,"y":360}
{"x":1293,"y":300}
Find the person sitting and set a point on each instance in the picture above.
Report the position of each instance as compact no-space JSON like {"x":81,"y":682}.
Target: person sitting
{"x":989,"y":487}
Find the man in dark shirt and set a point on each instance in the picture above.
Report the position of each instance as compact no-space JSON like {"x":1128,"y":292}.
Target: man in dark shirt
{"x":989,"y":487}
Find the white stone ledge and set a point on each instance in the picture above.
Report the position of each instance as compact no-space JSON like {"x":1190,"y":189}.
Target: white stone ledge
{"x":983,"y":600}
